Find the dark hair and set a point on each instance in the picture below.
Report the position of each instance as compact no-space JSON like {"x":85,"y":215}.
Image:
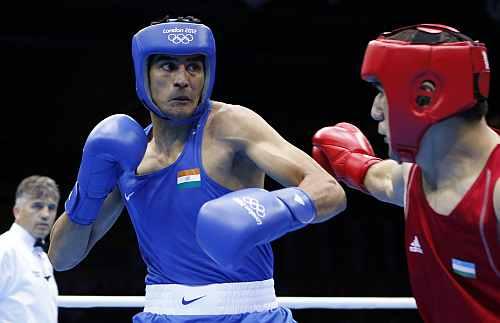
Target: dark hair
{"x":38,"y":187}
{"x":475,"y":113}
{"x":168,"y":18}
{"x":417,"y":36}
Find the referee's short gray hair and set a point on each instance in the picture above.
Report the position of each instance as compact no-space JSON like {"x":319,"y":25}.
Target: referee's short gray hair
{"x":37,"y":187}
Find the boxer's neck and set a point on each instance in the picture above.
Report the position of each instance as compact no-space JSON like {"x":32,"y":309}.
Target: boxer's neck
{"x":167,"y":134}
{"x":453,"y":149}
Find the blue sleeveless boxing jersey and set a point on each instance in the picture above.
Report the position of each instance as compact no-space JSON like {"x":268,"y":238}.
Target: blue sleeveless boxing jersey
{"x":163,"y":207}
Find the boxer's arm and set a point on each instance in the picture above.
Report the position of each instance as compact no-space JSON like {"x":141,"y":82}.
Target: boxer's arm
{"x":70,"y":242}
{"x":251,"y":135}
{"x":386,"y":181}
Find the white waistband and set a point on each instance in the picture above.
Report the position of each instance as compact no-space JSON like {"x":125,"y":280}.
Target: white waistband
{"x":213,"y":299}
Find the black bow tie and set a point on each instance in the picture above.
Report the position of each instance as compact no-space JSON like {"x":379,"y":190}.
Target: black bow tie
{"x":41,"y":243}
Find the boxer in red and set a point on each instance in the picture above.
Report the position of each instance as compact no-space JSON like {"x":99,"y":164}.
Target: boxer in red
{"x":433,"y":83}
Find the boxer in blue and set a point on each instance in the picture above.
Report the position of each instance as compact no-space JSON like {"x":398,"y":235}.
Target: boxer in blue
{"x":192,"y":183}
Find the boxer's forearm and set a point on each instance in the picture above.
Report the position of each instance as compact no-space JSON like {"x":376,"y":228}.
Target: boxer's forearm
{"x":326,"y":193}
{"x":71,"y":242}
{"x":109,"y":213}
{"x":385,"y":181}
{"x":68,"y":243}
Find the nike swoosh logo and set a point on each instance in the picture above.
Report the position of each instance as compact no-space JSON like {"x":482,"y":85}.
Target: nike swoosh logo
{"x":186,"y":302}
{"x":127,"y":197}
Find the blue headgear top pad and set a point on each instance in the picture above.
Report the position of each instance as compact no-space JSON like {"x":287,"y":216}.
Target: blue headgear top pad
{"x":173,"y":38}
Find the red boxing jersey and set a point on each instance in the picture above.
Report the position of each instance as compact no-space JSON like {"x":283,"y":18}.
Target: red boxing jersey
{"x":454,"y":260}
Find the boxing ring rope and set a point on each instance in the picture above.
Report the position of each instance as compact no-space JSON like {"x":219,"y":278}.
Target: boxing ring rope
{"x":353,"y":303}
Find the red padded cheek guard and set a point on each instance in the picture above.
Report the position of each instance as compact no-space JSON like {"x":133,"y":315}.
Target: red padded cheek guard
{"x":459,"y":71}
{"x":481,"y":68}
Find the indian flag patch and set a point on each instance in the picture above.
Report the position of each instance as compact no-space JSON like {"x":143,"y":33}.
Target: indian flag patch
{"x":188,"y":178}
{"x":463,"y":268}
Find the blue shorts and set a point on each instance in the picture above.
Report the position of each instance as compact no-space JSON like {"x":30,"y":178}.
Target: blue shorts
{"x":277,"y":315}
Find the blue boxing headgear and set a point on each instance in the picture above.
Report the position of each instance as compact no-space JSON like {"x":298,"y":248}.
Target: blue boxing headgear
{"x":174,"y":37}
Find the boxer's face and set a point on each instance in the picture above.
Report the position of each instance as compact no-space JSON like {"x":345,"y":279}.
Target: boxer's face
{"x":379,"y":112}
{"x":176,"y":83}
{"x":36,"y":215}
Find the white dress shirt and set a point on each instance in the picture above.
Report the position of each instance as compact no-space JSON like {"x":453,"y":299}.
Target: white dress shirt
{"x":28,"y":291}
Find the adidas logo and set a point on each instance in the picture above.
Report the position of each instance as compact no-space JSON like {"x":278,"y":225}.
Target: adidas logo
{"x":415,"y":246}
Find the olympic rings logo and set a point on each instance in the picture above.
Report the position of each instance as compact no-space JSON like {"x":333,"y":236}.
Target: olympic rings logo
{"x":180,"y":38}
{"x":253,"y":207}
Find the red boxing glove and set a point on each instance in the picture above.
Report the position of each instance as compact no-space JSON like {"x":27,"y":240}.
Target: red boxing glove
{"x":345,"y":153}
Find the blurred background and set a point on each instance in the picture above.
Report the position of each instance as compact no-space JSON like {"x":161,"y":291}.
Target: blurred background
{"x":66,"y":65}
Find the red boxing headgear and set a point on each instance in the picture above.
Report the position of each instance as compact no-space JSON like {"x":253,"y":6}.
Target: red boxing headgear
{"x":403,"y":59}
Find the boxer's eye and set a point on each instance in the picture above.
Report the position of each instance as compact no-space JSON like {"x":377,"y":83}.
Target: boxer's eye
{"x":194,"y":67}
{"x":168,"y":66}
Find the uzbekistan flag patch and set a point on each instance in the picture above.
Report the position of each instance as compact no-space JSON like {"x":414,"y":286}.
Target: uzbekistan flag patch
{"x":463,"y":268}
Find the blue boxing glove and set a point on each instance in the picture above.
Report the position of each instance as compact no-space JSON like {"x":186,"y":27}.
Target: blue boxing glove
{"x":116,"y":144}
{"x":230,"y":226}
